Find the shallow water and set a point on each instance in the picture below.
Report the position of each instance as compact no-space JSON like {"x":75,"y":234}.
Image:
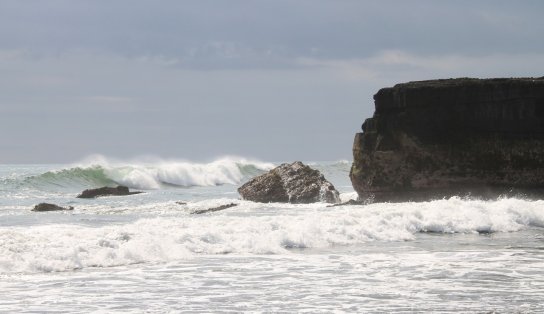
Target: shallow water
{"x":145,"y":253}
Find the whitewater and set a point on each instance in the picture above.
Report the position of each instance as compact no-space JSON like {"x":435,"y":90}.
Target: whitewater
{"x":150,"y":253}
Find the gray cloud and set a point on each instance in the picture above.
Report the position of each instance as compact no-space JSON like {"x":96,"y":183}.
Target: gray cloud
{"x":241,"y":33}
{"x":276,"y":80}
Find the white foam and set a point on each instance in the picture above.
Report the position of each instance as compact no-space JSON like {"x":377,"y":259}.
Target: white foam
{"x":253,"y":228}
{"x":344,"y":197}
{"x":150,"y":173}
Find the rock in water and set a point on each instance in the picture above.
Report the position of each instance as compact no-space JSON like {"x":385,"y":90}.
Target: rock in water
{"x":106,"y":191}
{"x":293,"y":183}
{"x":434,"y":139}
{"x":46,"y":207}
{"x":214,"y":209}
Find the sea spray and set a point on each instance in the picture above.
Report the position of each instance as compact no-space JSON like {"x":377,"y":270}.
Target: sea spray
{"x":99,"y":171}
{"x":252,"y":228}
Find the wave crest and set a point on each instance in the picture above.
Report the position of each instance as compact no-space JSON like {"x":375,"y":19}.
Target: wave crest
{"x":99,"y":171}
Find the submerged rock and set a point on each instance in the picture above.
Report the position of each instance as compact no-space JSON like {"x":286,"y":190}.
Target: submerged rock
{"x":292,"y":183}
{"x":214,"y":209}
{"x":106,"y":191}
{"x":47,"y":207}
{"x":435,"y":139}
{"x":350,"y":202}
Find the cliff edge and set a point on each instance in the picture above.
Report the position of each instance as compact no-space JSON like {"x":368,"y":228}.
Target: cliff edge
{"x":440,"y":138}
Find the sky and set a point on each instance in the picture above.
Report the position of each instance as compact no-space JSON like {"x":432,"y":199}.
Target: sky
{"x":274,"y":80}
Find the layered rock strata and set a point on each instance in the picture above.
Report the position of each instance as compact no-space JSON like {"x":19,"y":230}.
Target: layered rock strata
{"x":434,"y":139}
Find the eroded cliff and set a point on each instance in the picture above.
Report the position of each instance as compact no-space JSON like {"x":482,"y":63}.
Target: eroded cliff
{"x":434,"y":139}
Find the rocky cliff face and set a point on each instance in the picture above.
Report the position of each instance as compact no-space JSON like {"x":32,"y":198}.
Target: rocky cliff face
{"x":433,"y":139}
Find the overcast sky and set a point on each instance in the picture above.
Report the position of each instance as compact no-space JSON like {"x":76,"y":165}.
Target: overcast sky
{"x":274,"y":80}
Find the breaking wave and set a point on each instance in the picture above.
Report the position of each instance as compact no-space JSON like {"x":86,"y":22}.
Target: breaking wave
{"x":99,"y":171}
{"x":250,"y":228}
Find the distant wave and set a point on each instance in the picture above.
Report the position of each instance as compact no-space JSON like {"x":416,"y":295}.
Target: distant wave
{"x":94,"y":176}
{"x":99,"y":171}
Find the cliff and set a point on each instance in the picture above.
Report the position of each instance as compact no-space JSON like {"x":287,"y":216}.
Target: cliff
{"x":434,"y":139}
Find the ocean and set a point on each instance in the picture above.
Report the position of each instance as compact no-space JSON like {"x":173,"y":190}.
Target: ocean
{"x":150,"y":253}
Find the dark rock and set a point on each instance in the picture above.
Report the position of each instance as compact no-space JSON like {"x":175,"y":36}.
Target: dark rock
{"x":293,"y":183}
{"x":106,"y":191}
{"x":435,"y":139}
{"x":265,"y":188}
{"x":181,"y":203}
{"x":46,"y":207}
{"x":214,"y":209}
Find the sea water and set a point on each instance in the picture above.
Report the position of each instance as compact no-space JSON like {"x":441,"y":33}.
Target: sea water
{"x":149,"y":252}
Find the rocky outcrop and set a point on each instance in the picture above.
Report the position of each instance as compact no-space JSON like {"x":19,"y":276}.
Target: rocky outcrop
{"x":106,"y":191}
{"x":434,"y":139}
{"x":47,"y":207}
{"x":214,"y":209}
{"x":290,"y":183}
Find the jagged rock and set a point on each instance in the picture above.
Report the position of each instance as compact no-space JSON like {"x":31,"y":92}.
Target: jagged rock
{"x":47,"y":207}
{"x":434,"y":139}
{"x":293,"y":183}
{"x":214,"y":209}
{"x":106,"y":191}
